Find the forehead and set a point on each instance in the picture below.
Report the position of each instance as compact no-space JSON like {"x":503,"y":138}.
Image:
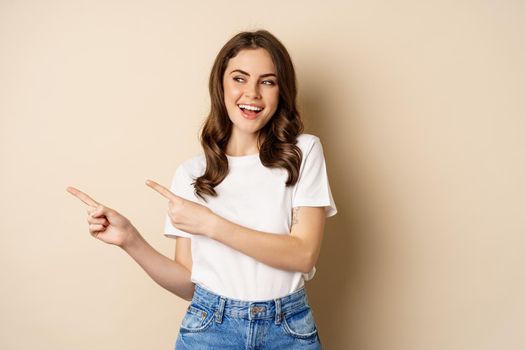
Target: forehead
{"x":253,"y":61}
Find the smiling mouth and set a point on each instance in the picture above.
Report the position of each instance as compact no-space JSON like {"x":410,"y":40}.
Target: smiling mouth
{"x":250,"y":111}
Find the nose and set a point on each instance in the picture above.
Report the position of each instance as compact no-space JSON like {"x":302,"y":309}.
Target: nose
{"x":252,"y":90}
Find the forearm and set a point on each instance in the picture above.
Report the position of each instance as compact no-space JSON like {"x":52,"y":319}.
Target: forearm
{"x":169,"y":274}
{"x":282,"y":251}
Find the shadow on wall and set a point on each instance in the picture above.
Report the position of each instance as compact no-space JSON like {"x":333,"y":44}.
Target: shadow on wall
{"x":338,"y":284}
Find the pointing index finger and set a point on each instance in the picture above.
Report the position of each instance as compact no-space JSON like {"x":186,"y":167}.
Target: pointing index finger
{"x":162,"y":190}
{"x":82,"y":196}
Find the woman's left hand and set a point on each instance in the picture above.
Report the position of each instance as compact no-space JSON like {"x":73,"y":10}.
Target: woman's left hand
{"x":186,"y":215}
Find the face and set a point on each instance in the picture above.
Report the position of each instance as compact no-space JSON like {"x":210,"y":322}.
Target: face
{"x":251,"y":90}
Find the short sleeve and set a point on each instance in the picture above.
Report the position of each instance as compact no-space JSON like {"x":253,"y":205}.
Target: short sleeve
{"x":181,"y":186}
{"x":312,"y":188}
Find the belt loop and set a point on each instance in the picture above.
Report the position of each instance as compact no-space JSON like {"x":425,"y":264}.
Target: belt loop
{"x":278,"y":315}
{"x":220,"y":310}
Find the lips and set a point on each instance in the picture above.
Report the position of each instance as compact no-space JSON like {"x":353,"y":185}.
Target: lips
{"x":249,"y":111}
{"x":251,"y":107}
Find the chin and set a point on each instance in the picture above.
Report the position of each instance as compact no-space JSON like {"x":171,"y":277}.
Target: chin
{"x":249,"y":130}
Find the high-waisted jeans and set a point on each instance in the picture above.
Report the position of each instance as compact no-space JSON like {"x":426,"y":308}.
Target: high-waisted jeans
{"x":216,"y":322}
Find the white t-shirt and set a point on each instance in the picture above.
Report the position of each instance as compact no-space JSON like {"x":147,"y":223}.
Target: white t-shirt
{"x":256,"y":197}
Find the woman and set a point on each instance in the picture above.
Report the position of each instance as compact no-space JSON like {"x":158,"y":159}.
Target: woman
{"x":248,"y":213}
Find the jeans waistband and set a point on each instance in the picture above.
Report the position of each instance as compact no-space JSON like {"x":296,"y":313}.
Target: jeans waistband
{"x":252,"y":310}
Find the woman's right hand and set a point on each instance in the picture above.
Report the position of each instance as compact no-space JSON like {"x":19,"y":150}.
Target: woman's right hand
{"x":105,"y":223}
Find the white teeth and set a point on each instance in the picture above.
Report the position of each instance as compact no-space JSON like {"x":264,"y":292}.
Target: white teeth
{"x":251,"y":108}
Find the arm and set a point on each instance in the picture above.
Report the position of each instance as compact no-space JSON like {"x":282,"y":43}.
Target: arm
{"x":169,"y":274}
{"x":183,"y":257}
{"x":297,"y":251}
{"x":183,"y":252}
{"x":111,"y":227}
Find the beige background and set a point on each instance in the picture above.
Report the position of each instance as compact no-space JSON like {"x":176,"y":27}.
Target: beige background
{"x":419,"y":105}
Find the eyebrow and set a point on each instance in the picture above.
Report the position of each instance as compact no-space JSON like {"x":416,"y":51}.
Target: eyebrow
{"x":243,"y":72}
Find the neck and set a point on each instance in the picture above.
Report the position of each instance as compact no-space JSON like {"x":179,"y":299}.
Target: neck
{"x":241,"y":144}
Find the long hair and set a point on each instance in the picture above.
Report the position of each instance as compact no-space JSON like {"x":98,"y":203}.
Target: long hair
{"x":276,"y":140}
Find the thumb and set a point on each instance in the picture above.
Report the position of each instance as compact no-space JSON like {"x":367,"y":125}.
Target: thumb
{"x":101,"y":211}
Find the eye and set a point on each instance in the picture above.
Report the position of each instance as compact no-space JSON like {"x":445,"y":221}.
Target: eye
{"x":238,"y":79}
{"x":268,"y":82}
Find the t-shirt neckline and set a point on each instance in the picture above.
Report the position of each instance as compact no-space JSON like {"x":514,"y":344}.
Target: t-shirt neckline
{"x":242,"y":159}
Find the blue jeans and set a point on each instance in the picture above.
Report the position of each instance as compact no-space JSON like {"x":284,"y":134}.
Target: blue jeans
{"x":215,"y":322}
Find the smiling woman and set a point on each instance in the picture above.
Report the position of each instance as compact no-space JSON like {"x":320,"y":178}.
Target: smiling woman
{"x":249,"y":94}
{"x":248,"y":213}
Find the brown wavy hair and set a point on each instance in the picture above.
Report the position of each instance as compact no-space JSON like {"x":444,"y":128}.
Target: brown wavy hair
{"x":276,"y":140}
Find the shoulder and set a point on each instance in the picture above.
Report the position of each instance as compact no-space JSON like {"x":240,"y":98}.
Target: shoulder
{"x":306,"y":138}
{"x":306,"y":142}
{"x":193,"y":166}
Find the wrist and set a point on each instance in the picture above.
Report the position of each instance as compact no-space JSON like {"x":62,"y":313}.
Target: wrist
{"x":216,"y":224}
{"x":131,"y":240}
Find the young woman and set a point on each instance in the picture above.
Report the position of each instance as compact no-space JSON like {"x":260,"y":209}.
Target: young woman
{"x":248,"y":213}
